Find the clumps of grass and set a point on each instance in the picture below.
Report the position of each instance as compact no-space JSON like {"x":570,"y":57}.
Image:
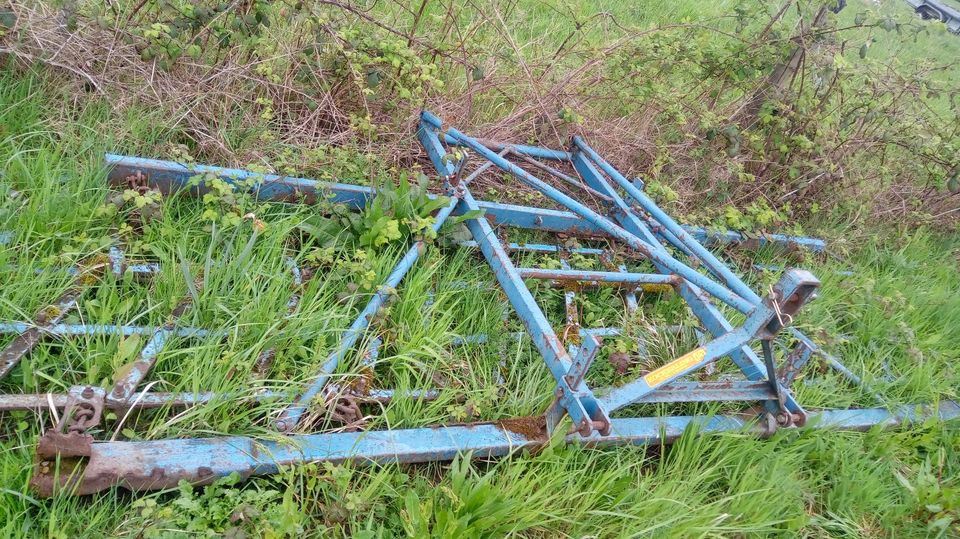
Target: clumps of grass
{"x":812,"y":483}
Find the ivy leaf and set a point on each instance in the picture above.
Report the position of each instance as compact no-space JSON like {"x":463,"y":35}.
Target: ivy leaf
{"x":477,"y":73}
{"x":953,"y":185}
{"x":7,"y":19}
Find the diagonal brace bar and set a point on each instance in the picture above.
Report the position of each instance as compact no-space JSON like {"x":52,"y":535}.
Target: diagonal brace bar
{"x":712,"y":319}
{"x":290,"y":417}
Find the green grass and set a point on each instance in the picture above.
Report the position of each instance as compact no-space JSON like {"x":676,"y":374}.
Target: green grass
{"x":896,"y":322}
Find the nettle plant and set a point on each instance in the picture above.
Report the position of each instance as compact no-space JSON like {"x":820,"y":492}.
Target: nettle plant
{"x":345,"y":241}
{"x":225,"y":203}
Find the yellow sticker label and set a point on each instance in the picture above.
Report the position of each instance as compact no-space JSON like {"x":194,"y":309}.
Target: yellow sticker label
{"x":675,"y":367}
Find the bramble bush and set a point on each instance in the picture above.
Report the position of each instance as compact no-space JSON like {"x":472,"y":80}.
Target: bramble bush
{"x":752,"y":119}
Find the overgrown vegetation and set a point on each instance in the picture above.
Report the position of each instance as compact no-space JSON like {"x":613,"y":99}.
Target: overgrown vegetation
{"x":859,"y":146}
{"x":786,"y":105}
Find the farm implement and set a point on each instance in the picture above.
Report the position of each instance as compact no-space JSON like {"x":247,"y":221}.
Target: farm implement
{"x":755,"y":361}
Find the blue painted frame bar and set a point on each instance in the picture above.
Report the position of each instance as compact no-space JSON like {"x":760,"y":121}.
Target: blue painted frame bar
{"x":719,"y":269}
{"x":637,"y":230}
{"x":69,"y":330}
{"x":531,"y":151}
{"x":539,"y":247}
{"x":593,"y":277}
{"x":579,"y":401}
{"x":712,"y":319}
{"x":765,"y":320}
{"x":153,"y":400}
{"x":162,"y":464}
{"x":169,"y":177}
{"x":643,"y":227}
{"x":713,"y":264}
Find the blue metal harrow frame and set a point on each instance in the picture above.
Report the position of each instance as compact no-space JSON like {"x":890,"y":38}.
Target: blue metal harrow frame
{"x":594,"y":200}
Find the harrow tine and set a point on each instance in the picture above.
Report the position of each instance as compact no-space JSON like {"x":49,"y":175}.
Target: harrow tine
{"x":569,"y":303}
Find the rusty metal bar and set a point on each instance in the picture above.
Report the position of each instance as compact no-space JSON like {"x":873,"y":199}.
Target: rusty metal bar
{"x":28,"y":339}
{"x":87,"y":467}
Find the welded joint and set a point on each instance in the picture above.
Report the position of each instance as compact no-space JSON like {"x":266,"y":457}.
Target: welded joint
{"x":569,"y":401}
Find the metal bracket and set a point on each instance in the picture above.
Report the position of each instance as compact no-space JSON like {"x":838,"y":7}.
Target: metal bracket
{"x":84,"y":409}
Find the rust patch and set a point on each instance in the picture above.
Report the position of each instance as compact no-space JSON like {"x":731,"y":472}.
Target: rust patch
{"x":531,"y":428}
{"x":72,"y":450}
{"x":53,"y":444}
{"x":622,"y":362}
{"x":138,"y":181}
